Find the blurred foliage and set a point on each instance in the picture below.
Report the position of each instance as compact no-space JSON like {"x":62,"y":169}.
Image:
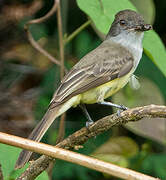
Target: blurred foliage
{"x":142,"y":97}
{"x":28,"y":80}
{"x":146,"y":8}
{"x":8,"y":163}
{"x":117,"y":150}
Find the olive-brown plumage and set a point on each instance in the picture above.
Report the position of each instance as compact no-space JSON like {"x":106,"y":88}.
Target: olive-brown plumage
{"x":99,"y":74}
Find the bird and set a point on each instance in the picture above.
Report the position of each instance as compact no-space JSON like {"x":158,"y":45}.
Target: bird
{"x":98,"y":75}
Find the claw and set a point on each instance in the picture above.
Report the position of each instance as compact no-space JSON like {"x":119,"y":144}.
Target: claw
{"x":89,"y":123}
{"x":118,"y":112}
{"x":123,"y":107}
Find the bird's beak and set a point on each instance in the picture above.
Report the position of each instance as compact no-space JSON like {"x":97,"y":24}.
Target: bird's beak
{"x":143,"y":27}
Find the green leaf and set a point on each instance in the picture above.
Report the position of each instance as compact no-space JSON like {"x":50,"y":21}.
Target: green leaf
{"x":43,"y":176}
{"x":146,"y":8}
{"x":103,"y":14}
{"x":8,"y":156}
{"x":154,"y":130}
{"x":155,"y":164}
{"x":16,"y":173}
{"x":117,"y":150}
{"x":121,"y":145}
{"x":113,"y":158}
{"x":155,"y":50}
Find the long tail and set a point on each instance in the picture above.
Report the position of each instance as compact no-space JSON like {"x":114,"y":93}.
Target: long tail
{"x":39,"y":132}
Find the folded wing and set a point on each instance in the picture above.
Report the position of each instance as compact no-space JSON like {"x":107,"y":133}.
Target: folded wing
{"x":102,"y":65}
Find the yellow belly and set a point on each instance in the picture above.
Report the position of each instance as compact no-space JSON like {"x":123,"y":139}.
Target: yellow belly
{"x":102,"y":92}
{"x":97,"y":94}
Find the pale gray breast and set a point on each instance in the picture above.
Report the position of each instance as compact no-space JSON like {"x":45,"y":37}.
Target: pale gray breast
{"x":131,"y":41}
{"x":108,"y":53}
{"x":105,"y":63}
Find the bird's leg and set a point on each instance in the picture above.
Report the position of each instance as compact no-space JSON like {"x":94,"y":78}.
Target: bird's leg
{"x":90,"y":121}
{"x":121,"y":107}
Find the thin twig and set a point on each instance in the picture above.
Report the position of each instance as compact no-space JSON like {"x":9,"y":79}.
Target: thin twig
{"x":61,"y":132}
{"x":44,"y":18}
{"x":31,"y":39}
{"x":61,"y":45}
{"x":100,"y":126}
{"x":72,"y":157}
{"x":62,"y":42}
{"x":40,"y":49}
{"x":1,"y":174}
{"x":77,"y":31}
{"x":101,"y":5}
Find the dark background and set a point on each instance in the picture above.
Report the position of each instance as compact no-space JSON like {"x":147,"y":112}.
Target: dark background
{"x":28,"y":80}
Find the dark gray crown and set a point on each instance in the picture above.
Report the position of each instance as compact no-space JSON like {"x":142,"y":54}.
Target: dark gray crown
{"x":130,"y":17}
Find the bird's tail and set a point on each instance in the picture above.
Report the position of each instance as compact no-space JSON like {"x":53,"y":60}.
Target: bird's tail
{"x":39,"y":132}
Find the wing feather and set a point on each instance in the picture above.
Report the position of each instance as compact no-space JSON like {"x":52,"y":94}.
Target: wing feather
{"x":98,"y":67}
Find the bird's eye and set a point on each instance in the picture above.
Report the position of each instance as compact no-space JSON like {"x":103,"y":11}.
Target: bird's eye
{"x":122,"y":22}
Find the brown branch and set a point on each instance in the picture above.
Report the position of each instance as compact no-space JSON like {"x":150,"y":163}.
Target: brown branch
{"x":55,"y":7}
{"x":61,"y":45}
{"x":100,"y":126}
{"x":61,"y":132}
{"x":1,"y":174}
{"x":101,"y":5}
{"x":40,"y":49}
{"x":31,"y":39}
{"x":73,"y":157}
{"x":44,"y":18}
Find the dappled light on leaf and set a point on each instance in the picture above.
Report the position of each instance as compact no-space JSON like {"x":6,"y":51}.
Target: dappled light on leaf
{"x":117,"y":150}
{"x":148,"y":93}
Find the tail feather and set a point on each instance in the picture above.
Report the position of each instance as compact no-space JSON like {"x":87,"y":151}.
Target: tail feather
{"x":42,"y":127}
{"x":37,"y":134}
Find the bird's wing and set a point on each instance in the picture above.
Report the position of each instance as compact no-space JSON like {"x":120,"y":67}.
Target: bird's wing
{"x":100,"y":66}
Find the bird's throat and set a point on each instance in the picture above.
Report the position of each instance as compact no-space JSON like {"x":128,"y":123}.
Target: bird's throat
{"x":132,"y":41}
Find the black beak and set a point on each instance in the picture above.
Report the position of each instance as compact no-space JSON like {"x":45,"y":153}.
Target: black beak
{"x":143,"y":27}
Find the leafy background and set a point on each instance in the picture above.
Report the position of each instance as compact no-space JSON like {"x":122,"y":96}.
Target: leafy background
{"x":28,"y":80}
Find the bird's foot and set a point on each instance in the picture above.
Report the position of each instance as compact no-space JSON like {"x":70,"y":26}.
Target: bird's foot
{"x":89,"y":123}
{"x":121,"y":109}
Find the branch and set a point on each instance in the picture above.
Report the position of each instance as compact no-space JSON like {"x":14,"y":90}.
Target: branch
{"x":61,"y":45}
{"x":1,"y":174}
{"x":44,"y":18}
{"x":40,"y":49}
{"x":77,"y":31}
{"x":100,"y":126}
{"x":101,"y":5}
{"x":61,"y":132}
{"x":72,"y":157}
{"x":55,"y":7}
{"x":31,"y":39}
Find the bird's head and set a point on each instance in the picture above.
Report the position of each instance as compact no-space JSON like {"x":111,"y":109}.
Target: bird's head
{"x":128,"y":21}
